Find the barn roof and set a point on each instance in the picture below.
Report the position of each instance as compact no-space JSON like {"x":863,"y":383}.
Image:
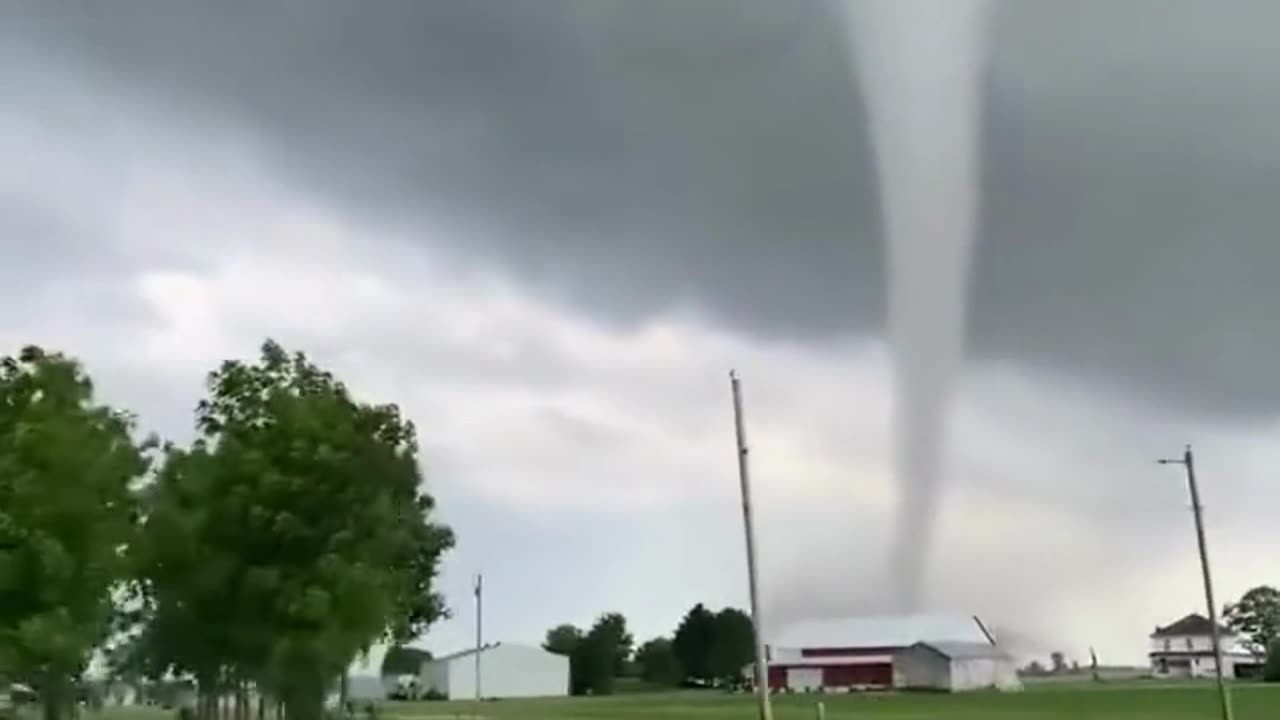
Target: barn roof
{"x":883,"y":631}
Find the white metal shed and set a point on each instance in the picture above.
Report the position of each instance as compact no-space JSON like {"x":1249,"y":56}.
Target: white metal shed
{"x":956,"y":667}
{"x":506,"y":671}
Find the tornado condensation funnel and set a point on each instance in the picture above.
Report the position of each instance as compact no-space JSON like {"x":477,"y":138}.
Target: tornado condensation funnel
{"x":919,"y":65}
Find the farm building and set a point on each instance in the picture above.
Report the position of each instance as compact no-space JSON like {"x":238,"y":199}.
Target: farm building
{"x":862,"y":652}
{"x":506,"y":671}
{"x":956,"y":667}
{"x":1185,"y":649}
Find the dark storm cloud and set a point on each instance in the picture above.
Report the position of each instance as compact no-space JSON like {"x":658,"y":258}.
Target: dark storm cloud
{"x":633,"y":155}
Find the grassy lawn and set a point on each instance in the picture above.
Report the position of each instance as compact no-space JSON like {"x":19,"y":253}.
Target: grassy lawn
{"x":1142,"y":702}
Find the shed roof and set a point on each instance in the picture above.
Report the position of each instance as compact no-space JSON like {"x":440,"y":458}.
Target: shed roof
{"x":465,"y":653}
{"x":883,"y":631}
{"x":965,"y":650}
{"x":492,"y":646}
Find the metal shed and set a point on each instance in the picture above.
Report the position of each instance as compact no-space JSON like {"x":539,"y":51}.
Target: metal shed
{"x":506,"y":671}
{"x":956,"y":667}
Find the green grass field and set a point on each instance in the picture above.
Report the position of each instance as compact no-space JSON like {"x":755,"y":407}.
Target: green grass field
{"x":1140,"y":702}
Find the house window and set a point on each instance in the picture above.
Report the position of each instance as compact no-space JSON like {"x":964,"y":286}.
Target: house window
{"x":1166,"y":644}
{"x":1189,"y":645}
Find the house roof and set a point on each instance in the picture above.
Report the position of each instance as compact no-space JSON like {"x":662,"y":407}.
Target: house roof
{"x":884,"y":631}
{"x":1193,"y":624}
{"x":965,"y":650}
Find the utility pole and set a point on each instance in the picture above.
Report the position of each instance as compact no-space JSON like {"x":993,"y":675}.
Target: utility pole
{"x":744,"y":480}
{"x":1188,"y":461}
{"x":479,"y":637}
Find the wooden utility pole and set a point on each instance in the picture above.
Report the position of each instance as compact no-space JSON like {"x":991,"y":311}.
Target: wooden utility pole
{"x":1188,"y":461}
{"x":479,"y":635}
{"x":744,"y":480}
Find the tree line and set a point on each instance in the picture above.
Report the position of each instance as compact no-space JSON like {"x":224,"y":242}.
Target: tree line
{"x":706,"y":648}
{"x":259,"y":559}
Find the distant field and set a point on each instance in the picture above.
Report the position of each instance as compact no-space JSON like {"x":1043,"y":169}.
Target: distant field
{"x":1130,"y":702}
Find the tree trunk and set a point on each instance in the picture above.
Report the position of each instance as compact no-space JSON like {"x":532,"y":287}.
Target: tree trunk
{"x":51,"y":705}
{"x":53,"y":698}
{"x":211,"y":705}
{"x":242,"y":701}
{"x":304,"y":706}
{"x":262,"y":705}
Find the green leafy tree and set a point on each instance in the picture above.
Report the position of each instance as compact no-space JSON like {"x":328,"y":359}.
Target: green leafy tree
{"x":67,"y":510}
{"x":562,"y":640}
{"x":569,"y":641}
{"x":291,"y":536}
{"x":658,"y":664}
{"x":611,"y":631}
{"x":597,"y":657}
{"x":733,"y":644}
{"x":1271,"y":670}
{"x":601,"y":656}
{"x":694,"y":643}
{"x":1257,"y":617}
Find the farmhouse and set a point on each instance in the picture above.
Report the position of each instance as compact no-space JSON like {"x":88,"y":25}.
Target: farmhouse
{"x":873,"y":652}
{"x":1185,"y":649}
{"x":506,"y":671}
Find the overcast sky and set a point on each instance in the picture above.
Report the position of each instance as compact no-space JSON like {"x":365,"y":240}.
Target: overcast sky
{"x":549,"y":228}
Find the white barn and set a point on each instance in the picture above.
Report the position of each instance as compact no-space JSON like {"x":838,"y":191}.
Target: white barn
{"x":506,"y":671}
{"x":956,"y":667}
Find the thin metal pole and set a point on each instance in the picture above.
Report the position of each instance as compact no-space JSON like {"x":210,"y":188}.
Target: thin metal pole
{"x":479,"y":636}
{"x":1188,"y":460}
{"x":744,"y":480}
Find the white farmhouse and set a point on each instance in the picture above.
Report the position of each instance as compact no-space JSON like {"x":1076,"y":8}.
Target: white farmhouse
{"x":506,"y":671}
{"x":1185,"y":649}
{"x":956,"y":667}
